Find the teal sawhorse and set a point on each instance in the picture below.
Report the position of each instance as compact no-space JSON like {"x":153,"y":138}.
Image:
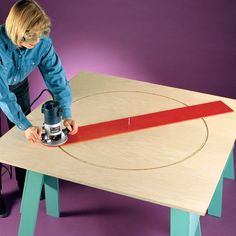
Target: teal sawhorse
{"x":181,"y":222}
{"x":184,"y":223}
{"x":188,"y":224}
{"x":31,"y":199}
{"x":215,"y":207}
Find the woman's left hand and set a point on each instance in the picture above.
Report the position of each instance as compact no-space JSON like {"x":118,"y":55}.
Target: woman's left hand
{"x":71,"y":125}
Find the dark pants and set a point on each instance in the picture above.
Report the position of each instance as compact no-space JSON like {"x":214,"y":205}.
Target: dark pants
{"x":21,"y":91}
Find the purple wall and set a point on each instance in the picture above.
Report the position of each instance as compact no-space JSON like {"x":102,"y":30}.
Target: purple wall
{"x":187,"y":44}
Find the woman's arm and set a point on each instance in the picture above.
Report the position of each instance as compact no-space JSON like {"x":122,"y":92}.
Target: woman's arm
{"x":55,"y":78}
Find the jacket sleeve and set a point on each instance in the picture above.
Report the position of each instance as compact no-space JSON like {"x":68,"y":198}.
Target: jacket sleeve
{"x":55,"y":79}
{"x":9,"y":105}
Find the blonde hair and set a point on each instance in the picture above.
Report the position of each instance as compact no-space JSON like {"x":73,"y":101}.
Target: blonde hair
{"x":26,"y":17}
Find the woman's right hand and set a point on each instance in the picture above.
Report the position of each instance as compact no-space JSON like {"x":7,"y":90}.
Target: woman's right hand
{"x":33,"y":134}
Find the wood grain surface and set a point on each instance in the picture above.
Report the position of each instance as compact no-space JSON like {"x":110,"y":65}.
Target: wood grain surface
{"x":177,"y":165}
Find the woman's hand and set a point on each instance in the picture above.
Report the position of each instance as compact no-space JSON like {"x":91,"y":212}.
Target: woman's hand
{"x":33,"y":134}
{"x":71,"y":125}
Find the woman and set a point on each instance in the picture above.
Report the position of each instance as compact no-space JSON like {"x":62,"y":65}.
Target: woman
{"x":25,"y":44}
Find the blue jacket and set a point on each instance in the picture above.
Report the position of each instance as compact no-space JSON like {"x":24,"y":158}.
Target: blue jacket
{"x":16,"y":64}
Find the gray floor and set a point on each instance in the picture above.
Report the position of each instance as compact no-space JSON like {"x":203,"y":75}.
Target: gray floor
{"x":90,"y":212}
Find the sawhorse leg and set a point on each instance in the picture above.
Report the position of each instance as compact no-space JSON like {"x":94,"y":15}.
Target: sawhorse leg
{"x":215,"y":207}
{"x":184,"y":223}
{"x":229,"y":168}
{"x":52,"y":196}
{"x":31,"y":199}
